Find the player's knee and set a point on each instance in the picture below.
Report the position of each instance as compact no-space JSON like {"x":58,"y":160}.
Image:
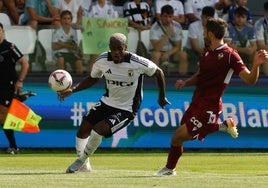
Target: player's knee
{"x":104,"y":129}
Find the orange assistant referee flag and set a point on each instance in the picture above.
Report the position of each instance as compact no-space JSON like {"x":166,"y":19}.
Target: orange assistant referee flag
{"x":21,"y":118}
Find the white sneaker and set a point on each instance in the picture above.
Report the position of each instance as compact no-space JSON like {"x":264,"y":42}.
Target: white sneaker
{"x":75,"y":167}
{"x":86,"y":167}
{"x":166,"y":172}
{"x":231,"y":127}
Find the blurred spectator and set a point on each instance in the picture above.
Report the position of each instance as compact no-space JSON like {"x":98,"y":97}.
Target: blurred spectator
{"x":45,"y":12}
{"x":85,"y":5}
{"x":241,"y":36}
{"x":239,"y":3}
{"x":195,"y":42}
{"x":193,"y":8}
{"x":138,"y":14}
{"x":166,"y":39}
{"x":177,"y":6}
{"x":14,"y":8}
{"x":100,"y":9}
{"x":261,"y":31}
{"x":76,"y":10}
{"x":65,"y":44}
{"x":222,"y":8}
{"x":152,"y":9}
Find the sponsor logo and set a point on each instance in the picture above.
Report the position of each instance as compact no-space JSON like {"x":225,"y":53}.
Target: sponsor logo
{"x":119,"y":83}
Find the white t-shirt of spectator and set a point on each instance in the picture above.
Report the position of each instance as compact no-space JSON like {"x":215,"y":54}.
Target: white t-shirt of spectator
{"x":195,"y":31}
{"x":72,"y":6}
{"x":261,"y":29}
{"x":107,"y":11}
{"x":177,"y":6}
{"x":195,"y":6}
{"x":60,"y":35}
{"x":156,"y":33}
{"x":85,"y":4}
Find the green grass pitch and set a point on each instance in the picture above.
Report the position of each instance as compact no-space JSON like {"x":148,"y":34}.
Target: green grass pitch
{"x":135,"y":169}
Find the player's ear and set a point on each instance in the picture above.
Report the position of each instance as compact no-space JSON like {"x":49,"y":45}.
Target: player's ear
{"x":210,"y":34}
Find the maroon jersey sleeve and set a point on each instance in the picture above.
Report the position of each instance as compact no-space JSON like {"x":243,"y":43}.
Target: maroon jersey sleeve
{"x":236,"y":62}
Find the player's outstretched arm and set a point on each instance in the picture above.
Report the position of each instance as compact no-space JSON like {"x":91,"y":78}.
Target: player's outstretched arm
{"x":251,"y":77}
{"x":161,"y":83}
{"x":84,"y":84}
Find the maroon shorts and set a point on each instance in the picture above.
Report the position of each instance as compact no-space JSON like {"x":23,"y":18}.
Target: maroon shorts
{"x":200,"y":121}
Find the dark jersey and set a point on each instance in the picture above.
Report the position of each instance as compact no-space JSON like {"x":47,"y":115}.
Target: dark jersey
{"x":9,"y":55}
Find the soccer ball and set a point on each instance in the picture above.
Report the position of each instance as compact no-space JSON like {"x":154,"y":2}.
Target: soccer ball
{"x":60,"y":80}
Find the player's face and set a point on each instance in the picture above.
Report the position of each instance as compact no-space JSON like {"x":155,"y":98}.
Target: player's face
{"x":118,"y":50}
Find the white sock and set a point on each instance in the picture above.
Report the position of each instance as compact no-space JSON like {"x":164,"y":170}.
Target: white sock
{"x":93,"y":143}
{"x":80,"y":145}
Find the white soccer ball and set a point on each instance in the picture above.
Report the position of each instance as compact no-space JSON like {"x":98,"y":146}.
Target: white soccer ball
{"x":60,"y":80}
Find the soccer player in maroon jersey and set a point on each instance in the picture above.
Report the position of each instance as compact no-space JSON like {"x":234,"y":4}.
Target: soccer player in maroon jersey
{"x":216,"y":67}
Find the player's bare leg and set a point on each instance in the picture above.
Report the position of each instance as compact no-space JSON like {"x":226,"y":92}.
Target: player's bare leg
{"x":93,"y":143}
{"x":181,"y":135}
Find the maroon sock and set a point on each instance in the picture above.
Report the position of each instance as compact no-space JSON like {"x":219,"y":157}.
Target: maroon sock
{"x":173,"y":156}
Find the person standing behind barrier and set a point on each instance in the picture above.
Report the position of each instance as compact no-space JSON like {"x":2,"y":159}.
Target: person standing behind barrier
{"x":216,"y":68}
{"x":124,"y":73}
{"x":10,"y":82}
{"x":65,"y":44}
{"x":138,"y":14}
{"x":100,"y":9}
{"x":261,"y":31}
{"x":166,"y":39}
{"x":37,"y":13}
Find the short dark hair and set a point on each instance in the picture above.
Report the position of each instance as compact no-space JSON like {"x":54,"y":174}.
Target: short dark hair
{"x":1,"y":25}
{"x":208,"y":11}
{"x":66,"y":12}
{"x":167,"y":9}
{"x":217,"y":26}
{"x":241,"y":11}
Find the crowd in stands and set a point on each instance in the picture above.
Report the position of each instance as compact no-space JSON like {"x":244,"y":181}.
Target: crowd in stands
{"x":164,"y":18}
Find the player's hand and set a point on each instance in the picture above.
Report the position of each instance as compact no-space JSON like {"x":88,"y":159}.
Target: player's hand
{"x":179,"y":84}
{"x":65,"y":93}
{"x":260,"y":57}
{"x":163,"y":102}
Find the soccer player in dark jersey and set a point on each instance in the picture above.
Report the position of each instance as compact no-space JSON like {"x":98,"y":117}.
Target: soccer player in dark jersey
{"x":10,"y":82}
{"x":123,"y":72}
{"x":216,"y":67}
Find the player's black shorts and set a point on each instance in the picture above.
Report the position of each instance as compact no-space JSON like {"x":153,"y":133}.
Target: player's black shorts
{"x":6,"y":96}
{"x":115,"y":117}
